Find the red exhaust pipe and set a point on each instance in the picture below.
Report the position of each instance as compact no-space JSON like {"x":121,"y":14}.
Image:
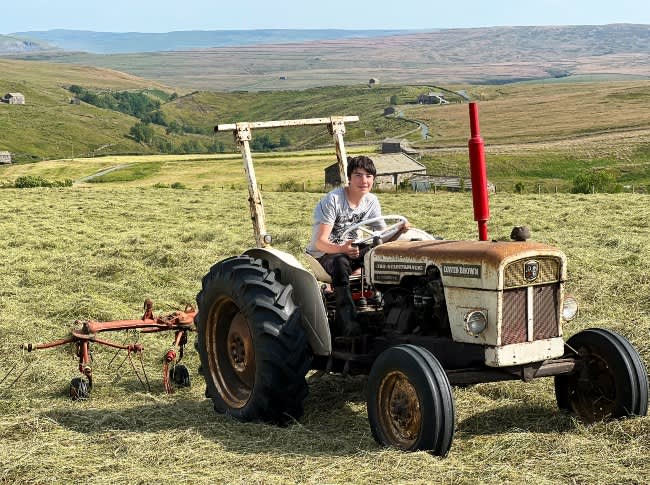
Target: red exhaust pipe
{"x":478,"y":174}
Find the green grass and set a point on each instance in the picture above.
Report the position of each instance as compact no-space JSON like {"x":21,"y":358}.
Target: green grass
{"x":137,"y":171}
{"x":97,"y":252}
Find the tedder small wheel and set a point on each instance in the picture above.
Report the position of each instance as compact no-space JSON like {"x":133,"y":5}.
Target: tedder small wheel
{"x":611,"y":380}
{"x":410,"y":402}
{"x":180,"y":376}
{"x":79,"y":389}
{"x":254,"y":351}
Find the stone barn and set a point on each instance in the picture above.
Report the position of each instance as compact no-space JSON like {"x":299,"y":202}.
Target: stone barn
{"x":14,"y":98}
{"x":392,"y":170}
{"x":427,"y":183}
{"x":5,"y":157}
{"x":432,"y":98}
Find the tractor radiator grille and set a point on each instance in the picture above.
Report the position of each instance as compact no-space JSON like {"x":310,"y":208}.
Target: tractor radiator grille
{"x":514,"y":325}
{"x":549,"y":272}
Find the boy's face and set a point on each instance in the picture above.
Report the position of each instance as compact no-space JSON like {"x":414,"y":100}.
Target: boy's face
{"x":361,"y":181}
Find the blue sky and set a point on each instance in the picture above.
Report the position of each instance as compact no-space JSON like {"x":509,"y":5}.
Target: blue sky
{"x":167,"y":15}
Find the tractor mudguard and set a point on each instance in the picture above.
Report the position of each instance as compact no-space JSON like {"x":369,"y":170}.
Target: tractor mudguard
{"x":306,"y":292}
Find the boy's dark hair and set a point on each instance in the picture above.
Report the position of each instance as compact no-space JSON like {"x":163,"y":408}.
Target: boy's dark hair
{"x":361,"y":162}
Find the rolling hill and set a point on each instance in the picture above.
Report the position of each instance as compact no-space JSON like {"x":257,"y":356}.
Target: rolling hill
{"x":479,"y":56}
{"x":129,"y":42}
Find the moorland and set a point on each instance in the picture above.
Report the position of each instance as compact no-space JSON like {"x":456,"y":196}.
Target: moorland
{"x":154,"y":226}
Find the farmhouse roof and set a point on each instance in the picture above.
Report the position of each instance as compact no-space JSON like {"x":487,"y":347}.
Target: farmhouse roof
{"x":392,"y":163}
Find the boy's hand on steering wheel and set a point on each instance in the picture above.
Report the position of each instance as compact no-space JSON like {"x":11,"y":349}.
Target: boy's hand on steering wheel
{"x":350,"y":249}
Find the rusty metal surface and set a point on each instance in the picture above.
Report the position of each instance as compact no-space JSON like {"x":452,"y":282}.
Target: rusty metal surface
{"x":550,"y":269}
{"x":488,"y":252}
{"x":87,"y":332}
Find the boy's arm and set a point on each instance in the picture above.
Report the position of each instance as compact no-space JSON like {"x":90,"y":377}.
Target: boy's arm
{"x":326,"y":246}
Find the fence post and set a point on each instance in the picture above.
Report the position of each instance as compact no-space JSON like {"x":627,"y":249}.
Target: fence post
{"x":593,"y":188}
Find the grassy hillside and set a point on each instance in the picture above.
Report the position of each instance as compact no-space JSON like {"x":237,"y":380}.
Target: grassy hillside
{"x":80,"y":253}
{"x":477,"y":56}
{"x":48,"y":126}
{"x":535,"y":134}
{"x":545,"y":133}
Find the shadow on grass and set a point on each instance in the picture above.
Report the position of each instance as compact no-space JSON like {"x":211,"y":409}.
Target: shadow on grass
{"x":517,"y":417}
{"x":334,"y":423}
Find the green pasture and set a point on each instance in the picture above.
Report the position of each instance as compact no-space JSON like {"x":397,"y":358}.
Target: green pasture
{"x":96,"y":251}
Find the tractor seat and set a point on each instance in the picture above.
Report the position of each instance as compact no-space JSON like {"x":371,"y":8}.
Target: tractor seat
{"x":322,"y":275}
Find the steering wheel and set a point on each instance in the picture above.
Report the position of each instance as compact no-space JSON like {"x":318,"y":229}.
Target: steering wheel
{"x":384,"y":234}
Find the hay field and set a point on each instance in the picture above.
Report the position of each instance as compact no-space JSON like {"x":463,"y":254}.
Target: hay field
{"x":81,"y":253}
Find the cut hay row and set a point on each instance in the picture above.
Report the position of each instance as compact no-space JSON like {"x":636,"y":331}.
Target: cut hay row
{"x":82,"y":253}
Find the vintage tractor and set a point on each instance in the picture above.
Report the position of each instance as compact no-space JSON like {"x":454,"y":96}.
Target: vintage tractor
{"x":434,"y":313}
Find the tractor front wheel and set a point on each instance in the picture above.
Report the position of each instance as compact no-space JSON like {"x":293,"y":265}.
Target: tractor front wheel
{"x":410,"y":402}
{"x":254,"y":351}
{"x":610,"y":381}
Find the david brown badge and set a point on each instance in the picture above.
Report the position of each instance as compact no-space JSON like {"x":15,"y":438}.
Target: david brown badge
{"x":531,"y":270}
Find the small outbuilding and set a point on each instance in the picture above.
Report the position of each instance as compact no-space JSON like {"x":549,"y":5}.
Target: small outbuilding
{"x":426,"y":183}
{"x":14,"y":98}
{"x":432,"y":98}
{"x":5,"y":158}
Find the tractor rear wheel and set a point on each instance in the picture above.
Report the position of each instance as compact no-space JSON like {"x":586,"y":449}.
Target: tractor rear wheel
{"x":611,"y":380}
{"x":410,"y":402}
{"x":254,"y":351}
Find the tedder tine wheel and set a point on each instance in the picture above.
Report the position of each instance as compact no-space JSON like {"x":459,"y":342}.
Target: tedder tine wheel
{"x":611,"y":380}
{"x":410,"y":402}
{"x":79,"y":389}
{"x":254,"y":351}
{"x":180,"y":376}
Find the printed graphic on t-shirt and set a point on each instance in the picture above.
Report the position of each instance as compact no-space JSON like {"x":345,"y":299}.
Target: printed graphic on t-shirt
{"x":343,"y":221}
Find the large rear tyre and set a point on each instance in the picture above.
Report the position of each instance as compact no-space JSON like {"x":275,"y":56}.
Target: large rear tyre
{"x":410,"y":402}
{"x":611,"y":380}
{"x":254,"y":352}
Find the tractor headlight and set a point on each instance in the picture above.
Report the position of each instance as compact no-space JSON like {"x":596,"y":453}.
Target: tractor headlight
{"x":475,"y":322}
{"x":569,"y":308}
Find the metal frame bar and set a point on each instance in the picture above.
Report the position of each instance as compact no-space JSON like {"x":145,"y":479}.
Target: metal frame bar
{"x":242,"y":133}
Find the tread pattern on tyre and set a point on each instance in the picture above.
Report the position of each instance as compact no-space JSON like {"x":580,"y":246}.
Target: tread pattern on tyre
{"x":438,"y":423}
{"x":636,"y":403}
{"x":281,"y":347}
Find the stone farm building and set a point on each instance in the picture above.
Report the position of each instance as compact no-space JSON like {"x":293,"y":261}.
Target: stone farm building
{"x":393,"y":167}
{"x":14,"y":98}
{"x":5,"y":157}
{"x":432,"y":98}
{"x":427,"y":183}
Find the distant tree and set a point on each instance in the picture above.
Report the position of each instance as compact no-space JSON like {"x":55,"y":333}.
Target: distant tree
{"x":192,"y":146}
{"x":76,"y":89}
{"x":174,"y":128}
{"x":284,"y":140}
{"x":156,"y":117}
{"x":603,"y":181}
{"x":520,"y":188}
{"x":262,"y":143}
{"x":393,"y":99}
{"x":142,"y":132}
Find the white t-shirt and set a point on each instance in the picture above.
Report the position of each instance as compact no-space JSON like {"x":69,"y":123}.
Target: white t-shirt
{"x":335,"y":210}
